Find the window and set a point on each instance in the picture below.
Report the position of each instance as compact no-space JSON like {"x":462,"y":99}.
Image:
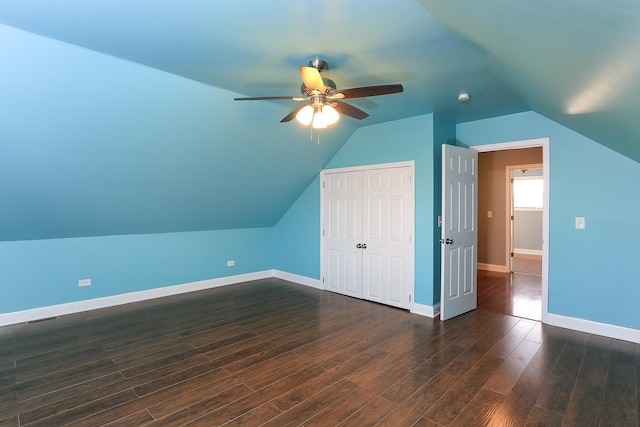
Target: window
{"x":528,"y":193}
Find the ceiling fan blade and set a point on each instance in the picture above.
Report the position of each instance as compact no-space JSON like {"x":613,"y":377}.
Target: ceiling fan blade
{"x":349,"y":110}
{"x":365,"y":91}
{"x":293,"y":113}
{"x":312,"y":79}
{"x":267,"y":98}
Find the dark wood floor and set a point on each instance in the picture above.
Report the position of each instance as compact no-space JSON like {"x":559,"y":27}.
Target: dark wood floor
{"x":518,"y":293}
{"x":274,"y":353}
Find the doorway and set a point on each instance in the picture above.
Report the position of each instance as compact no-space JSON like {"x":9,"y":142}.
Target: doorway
{"x":526,"y":206}
{"x":511,"y":279}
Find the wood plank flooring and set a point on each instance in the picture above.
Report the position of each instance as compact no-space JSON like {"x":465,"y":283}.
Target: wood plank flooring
{"x":274,"y":353}
{"x":518,"y":293}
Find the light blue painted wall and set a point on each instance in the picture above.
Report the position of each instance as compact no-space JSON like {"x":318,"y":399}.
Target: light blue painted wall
{"x":40,"y":273}
{"x":593,"y":273}
{"x":444,"y":132}
{"x":297,"y":235}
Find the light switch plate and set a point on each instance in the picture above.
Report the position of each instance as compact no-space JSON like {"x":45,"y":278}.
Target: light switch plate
{"x":580,"y":223}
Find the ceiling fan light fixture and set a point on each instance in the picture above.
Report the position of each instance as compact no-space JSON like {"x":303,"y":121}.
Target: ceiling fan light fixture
{"x":319,"y":116}
{"x":305,"y":115}
{"x":330,"y":114}
{"x":319,"y":120}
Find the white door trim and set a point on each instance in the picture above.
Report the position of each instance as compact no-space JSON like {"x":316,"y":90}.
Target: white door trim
{"x":409,"y":163}
{"x":528,"y":143}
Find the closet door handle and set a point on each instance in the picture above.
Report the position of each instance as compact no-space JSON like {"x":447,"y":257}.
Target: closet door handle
{"x":359,"y":246}
{"x":364,"y":246}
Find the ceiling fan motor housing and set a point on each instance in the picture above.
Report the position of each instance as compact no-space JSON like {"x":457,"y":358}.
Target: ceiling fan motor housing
{"x":329,"y":84}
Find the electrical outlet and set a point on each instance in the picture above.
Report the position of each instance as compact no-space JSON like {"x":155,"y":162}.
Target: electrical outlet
{"x":84,"y":282}
{"x":231,"y":263}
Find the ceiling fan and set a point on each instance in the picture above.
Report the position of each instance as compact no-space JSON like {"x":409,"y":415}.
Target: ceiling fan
{"x":322,"y":101}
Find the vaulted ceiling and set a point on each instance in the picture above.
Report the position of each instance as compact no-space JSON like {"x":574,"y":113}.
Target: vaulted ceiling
{"x":117,"y":116}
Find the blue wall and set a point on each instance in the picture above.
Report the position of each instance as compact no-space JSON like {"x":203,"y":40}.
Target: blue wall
{"x":40,"y":273}
{"x":593,"y":273}
{"x":444,"y":132}
{"x":297,"y":235}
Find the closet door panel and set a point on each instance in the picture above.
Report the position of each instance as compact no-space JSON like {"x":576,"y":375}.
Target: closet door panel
{"x":388,"y":232}
{"x":342,"y":225}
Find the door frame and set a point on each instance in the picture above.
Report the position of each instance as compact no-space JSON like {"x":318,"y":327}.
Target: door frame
{"x":546,"y":168}
{"x":391,"y":165}
{"x":509,"y":233}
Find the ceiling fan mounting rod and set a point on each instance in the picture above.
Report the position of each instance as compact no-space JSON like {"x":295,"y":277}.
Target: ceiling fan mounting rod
{"x":319,"y":64}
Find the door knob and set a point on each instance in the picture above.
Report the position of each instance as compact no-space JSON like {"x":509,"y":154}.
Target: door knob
{"x":364,"y":246}
{"x":446,"y":241}
{"x":359,"y":246}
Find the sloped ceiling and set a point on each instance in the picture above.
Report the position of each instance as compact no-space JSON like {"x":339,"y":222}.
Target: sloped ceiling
{"x":116,"y":117}
{"x":574,"y":61}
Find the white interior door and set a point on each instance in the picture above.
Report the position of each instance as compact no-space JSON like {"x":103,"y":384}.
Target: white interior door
{"x":459,"y":231}
{"x":342,"y":228}
{"x":387,"y":223}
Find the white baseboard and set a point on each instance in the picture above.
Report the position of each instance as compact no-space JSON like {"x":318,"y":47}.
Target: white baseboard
{"x":426,"y":310}
{"x":591,"y":327}
{"x":295,"y":278}
{"x":493,"y":267}
{"x":588,"y":326}
{"x":110,"y":301}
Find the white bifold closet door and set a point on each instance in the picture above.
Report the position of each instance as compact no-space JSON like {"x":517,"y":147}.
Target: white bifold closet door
{"x":368,"y":234}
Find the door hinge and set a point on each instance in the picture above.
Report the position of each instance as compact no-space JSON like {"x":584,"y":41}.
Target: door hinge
{"x":323,"y":280}
{"x":512,"y":254}
{"x":323,"y":232}
{"x":323,"y":184}
{"x":409,"y":297}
